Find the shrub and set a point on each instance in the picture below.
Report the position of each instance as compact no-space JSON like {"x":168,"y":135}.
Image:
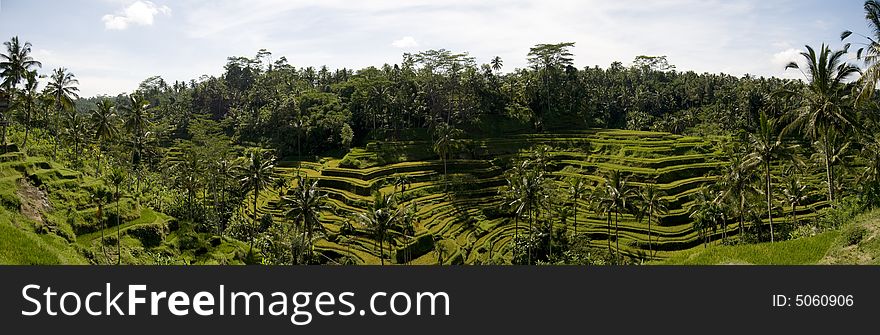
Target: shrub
{"x":852,"y":235}
{"x":149,"y":235}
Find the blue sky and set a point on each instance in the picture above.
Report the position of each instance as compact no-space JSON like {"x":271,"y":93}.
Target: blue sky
{"x":112,"y":45}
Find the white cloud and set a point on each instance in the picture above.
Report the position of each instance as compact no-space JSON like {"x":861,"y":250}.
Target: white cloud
{"x":139,"y":13}
{"x":405,"y":43}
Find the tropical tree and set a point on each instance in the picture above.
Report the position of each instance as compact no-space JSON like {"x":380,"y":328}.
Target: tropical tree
{"x":576,"y":189}
{"x":652,"y":201}
{"x":444,"y":142}
{"x":116,"y":178}
{"x":305,"y":205}
{"x":705,"y":213}
{"x":869,"y":52}
{"x":134,"y":113}
{"x":16,"y":63}
{"x":766,"y":146}
{"x":618,"y":193}
{"x":100,"y":196}
{"x":826,"y":105}
{"x":62,"y":88}
{"x":497,"y":64}
{"x":255,"y":175}
{"x":794,"y":193}
{"x":104,"y":126}
{"x":737,"y":186}
{"x":381,"y":216}
{"x":28,"y":101}
{"x":76,"y":131}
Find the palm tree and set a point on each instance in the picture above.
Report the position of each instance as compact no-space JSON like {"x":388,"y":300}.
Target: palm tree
{"x":16,"y":63}
{"x":116,"y":178}
{"x":100,"y":197}
{"x":737,"y":186}
{"x":62,"y":87}
{"x":306,"y":204}
{"x":652,"y":202}
{"x":619,"y":193}
{"x":577,"y":188}
{"x":705,"y":212}
{"x":401,"y":181}
{"x":443,"y":143}
{"x":794,"y":192}
{"x":255,"y":175}
{"x":28,"y":100}
{"x":76,"y":132}
{"x":135,"y":114}
{"x":379,"y":219}
{"x":601,"y":202}
{"x":767,"y":146}
{"x":104,"y":125}
{"x":869,"y":52}
{"x":826,"y":106}
{"x":497,"y":64}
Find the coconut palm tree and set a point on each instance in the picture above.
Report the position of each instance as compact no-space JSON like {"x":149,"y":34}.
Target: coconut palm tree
{"x":794,"y":193}
{"x":400,"y":181}
{"x":869,"y":52}
{"x":826,"y":106}
{"x":104,"y":126}
{"x":28,"y":101}
{"x":116,"y":178}
{"x":76,"y":132}
{"x":497,"y":64}
{"x":305,"y":205}
{"x":766,"y":146}
{"x":652,"y":201}
{"x":444,"y":142}
{"x":134,"y":112}
{"x":737,"y":186}
{"x":16,"y":63}
{"x":576,"y":189}
{"x":619,"y":193}
{"x":705,"y":212}
{"x":379,"y":219}
{"x":62,"y":88}
{"x":100,"y":197}
{"x":255,"y":175}
{"x":602,"y":203}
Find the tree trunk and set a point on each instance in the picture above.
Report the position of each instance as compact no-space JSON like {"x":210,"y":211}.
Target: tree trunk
{"x":118,"y":250}
{"x":617,"y":236}
{"x":253,"y":226}
{"x":829,"y":173}
{"x":650,"y":242}
{"x":769,"y":202}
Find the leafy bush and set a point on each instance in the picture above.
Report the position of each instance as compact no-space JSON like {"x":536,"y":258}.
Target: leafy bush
{"x":853,"y":234}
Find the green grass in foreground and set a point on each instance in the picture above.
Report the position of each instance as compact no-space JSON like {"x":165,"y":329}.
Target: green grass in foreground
{"x":808,"y":250}
{"x":22,"y":246}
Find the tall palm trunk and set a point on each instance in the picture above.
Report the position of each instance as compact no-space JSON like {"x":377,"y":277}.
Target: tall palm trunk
{"x":829,"y":173}
{"x":617,"y":235}
{"x":254,"y":225}
{"x":650,"y":217}
{"x":27,"y":129}
{"x":118,"y":249}
{"x":769,"y":202}
{"x":609,"y":230}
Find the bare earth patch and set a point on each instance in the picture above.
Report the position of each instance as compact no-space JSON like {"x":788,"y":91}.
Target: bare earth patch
{"x":34,"y":201}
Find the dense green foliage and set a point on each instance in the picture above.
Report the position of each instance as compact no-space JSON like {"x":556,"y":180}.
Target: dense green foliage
{"x":438,"y":160}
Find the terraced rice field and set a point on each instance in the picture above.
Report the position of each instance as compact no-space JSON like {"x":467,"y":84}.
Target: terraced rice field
{"x":465,"y":217}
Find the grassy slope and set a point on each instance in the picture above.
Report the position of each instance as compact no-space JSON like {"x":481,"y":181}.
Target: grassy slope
{"x":831,"y":247}
{"x":793,"y":252}
{"x":20,"y":245}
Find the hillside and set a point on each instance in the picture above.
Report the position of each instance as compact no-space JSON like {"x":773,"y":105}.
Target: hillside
{"x":49,"y":215}
{"x":471,"y":218}
{"x":855,"y":243}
